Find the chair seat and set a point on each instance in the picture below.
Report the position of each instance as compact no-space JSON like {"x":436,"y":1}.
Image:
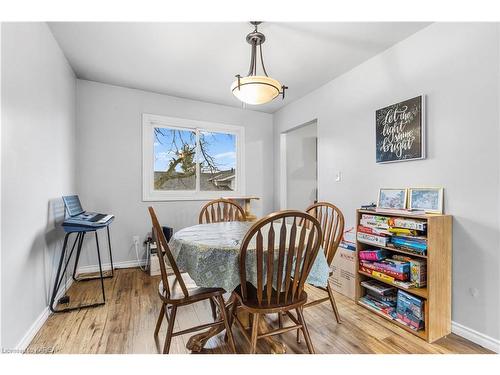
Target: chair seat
{"x":195,"y":292}
{"x":252,"y":302}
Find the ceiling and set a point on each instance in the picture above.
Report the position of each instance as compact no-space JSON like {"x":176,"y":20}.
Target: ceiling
{"x":199,"y":60}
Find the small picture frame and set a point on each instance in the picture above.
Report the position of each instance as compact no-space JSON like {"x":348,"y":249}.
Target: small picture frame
{"x":429,"y":200}
{"x":392,"y":198}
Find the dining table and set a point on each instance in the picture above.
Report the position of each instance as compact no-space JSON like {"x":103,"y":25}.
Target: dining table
{"x":209,"y":253}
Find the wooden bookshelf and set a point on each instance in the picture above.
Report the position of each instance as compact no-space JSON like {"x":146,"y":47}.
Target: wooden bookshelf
{"x":437,"y":293}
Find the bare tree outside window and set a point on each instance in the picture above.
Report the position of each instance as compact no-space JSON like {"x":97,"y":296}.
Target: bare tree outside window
{"x":176,"y":157}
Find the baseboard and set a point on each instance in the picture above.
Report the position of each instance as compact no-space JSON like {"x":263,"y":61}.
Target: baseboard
{"x":33,"y":330}
{"x":107,"y":266}
{"x":476,"y":337}
{"x":40,"y":320}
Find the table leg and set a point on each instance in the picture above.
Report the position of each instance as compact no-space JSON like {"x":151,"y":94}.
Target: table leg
{"x":197,"y":342}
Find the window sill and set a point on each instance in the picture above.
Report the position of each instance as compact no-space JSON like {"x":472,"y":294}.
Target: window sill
{"x":205,"y":196}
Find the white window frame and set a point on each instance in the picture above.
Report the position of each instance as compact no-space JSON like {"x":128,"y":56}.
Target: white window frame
{"x":149,"y":122}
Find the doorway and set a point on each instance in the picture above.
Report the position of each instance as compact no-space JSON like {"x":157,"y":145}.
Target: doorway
{"x":299,"y":166}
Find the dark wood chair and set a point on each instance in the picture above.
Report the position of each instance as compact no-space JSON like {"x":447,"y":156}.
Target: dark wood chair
{"x":178,"y":290}
{"x":332,"y":227}
{"x":284,"y":257}
{"x":220,"y":210}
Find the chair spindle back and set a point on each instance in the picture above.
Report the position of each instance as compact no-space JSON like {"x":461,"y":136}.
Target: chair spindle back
{"x":162,"y":247}
{"x":332,"y":225}
{"x":287,"y":252}
{"x":221,"y":210}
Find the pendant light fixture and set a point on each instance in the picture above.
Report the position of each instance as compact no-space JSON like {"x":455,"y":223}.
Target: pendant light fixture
{"x":256,"y":89}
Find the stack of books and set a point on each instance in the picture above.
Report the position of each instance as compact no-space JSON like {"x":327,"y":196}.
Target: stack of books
{"x":402,"y":233}
{"x":372,"y":254}
{"x":372,"y":239}
{"x":417,"y":245}
{"x":401,"y":271}
{"x":374,"y":221}
{"x":418,"y":270}
{"x":380,"y":297}
{"x":401,"y":222}
{"x":395,"y":269}
{"x":410,"y":310}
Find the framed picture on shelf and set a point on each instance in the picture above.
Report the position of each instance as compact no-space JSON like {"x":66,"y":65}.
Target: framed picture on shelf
{"x":428,"y":199}
{"x":392,"y":198}
{"x":400,"y":131}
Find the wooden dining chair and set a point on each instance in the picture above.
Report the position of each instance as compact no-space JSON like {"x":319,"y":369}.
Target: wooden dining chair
{"x":220,"y":210}
{"x":282,"y":256}
{"x":178,"y":290}
{"x":332,"y":227}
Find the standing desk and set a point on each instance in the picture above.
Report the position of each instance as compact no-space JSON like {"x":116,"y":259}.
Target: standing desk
{"x":80,"y":231}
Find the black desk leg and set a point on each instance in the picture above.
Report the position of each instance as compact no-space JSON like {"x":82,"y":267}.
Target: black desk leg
{"x":78,"y":251}
{"x":54,"y":290}
{"x":110,"y":254}
{"x":59,"y":275}
{"x":100,"y":266}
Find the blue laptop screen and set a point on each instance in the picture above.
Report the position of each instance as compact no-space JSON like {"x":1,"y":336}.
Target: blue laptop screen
{"x":72,"y":203}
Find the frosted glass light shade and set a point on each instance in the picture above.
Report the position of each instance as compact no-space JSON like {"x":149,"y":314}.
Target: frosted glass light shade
{"x":256,"y":89}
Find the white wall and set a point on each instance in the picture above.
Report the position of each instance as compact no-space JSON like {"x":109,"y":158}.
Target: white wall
{"x":110,"y":159}
{"x":301,"y":176}
{"x":38,"y":166}
{"x":456,"y":66}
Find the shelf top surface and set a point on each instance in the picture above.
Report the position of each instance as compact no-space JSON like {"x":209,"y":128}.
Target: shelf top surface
{"x":405,"y":215}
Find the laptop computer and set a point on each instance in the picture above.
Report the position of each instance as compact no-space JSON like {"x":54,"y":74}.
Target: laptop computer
{"x":77,"y":216}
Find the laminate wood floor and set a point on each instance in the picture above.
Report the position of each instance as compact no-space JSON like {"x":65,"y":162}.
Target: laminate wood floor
{"x":126,"y":324}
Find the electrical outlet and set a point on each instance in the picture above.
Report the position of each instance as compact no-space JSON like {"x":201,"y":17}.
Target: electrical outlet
{"x":135,"y":239}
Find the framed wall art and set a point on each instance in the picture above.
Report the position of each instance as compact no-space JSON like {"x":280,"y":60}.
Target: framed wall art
{"x":400,"y":131}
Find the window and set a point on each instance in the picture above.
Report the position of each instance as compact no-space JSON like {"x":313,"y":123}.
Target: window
{"x":191,"y":160}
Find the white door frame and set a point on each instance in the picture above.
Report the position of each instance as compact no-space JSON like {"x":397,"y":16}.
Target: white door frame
{"x":283,"y":176}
